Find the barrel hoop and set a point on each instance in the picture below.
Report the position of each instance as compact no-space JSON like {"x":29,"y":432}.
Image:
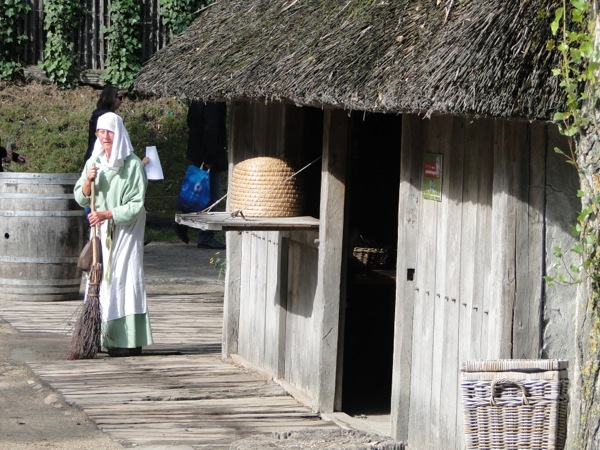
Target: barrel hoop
{"x":36,"y":178}
{"x":35,"y":196}
{"x":15,"y":282}
{"x":40,"y":289}
{"x":55,"y":260}
{"x":70,"y":213}
{"x":23,"y":297}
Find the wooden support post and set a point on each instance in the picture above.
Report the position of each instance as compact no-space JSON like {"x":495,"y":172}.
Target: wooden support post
{"x":331,"y":238}
{"x":408,"y":225}
{"x":240,"y":115}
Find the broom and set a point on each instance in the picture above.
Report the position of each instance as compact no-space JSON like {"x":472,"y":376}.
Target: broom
{"x":85,"y":341}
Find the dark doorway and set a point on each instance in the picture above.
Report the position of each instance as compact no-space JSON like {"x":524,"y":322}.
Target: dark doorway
{"x":372,"y":190}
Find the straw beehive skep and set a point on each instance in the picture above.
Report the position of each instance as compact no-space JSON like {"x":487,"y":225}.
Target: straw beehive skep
{"x":265,"y":187}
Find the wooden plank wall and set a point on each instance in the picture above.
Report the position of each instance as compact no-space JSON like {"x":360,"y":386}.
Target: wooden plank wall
{"x":260,"y":306}
{"x":527,"y":329}
{"x":256,"y":297}
{"x":477,"y":196}
{"x":247,"y":121}
{"x":253,"y":298}
{"x":478,"y":258}
{"x":448,"y":290}
{"x":273,"y":315}
{"x":302,"y":334}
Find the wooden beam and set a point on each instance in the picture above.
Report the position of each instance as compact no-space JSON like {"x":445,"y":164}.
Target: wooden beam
{"x":527,"y":317}
{"x":225,"y":221}
{"x":239,"y":120}
{"x":331,"y":238}
{"x":507,"y":208}
{"x":408,"y":226}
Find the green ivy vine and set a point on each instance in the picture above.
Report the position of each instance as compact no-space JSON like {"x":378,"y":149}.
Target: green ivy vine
{"x":61,"y":22}
{"x":123,"y":58}
{"x":574,"y":41}
{"x":12,"y":12}
{"x":177,"y":15}
{"x":574,"y":34}
{"x":574,"y":26}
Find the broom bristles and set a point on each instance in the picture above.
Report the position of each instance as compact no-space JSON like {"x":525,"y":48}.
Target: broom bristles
{"x":85,"y":340}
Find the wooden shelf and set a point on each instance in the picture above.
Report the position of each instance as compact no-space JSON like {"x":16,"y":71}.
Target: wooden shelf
{"x":217,"y":221}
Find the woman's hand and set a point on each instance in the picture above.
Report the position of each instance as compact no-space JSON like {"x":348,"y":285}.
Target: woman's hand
{"x":96,"y":217}
{"x":92,"y":173}
{"x":145,"y":161}
{"x":90,"y":176}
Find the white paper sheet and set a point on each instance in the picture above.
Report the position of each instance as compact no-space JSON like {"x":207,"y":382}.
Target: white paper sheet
{"x":153,"y":168}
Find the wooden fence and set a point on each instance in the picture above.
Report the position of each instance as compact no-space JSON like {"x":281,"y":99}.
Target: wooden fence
{"x":90,"y":43}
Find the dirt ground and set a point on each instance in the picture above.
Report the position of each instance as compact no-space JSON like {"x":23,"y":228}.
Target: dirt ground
{"x":33,"y":416}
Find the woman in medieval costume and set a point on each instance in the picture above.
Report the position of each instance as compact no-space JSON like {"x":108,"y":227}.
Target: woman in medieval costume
{"x":120,"y":186}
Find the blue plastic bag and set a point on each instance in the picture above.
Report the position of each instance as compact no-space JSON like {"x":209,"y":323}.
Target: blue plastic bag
{"x":195,"y":190}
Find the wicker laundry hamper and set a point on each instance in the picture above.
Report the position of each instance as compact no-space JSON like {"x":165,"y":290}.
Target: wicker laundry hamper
{"x":515,"y":404}
{"x":265,"y":187}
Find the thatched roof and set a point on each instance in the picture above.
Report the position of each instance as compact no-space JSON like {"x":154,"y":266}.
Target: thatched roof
{"x":483,"y":57}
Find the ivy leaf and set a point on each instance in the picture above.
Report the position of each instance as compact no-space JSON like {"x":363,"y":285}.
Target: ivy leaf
{"x":558,"y":15}
{"x":562,"y":278}
{"x":577,"y":248}
{"x":579,"y":5}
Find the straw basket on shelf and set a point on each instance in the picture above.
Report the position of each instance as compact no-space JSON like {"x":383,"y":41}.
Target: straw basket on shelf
{"x":518,"y":404}
{"x":372,"y":257}
{"x":265,"y":187}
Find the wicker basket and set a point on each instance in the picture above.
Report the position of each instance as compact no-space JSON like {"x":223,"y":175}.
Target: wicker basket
{"x":372,"y":258}
{"x":265,"y":187}
{"x":515,"y":404}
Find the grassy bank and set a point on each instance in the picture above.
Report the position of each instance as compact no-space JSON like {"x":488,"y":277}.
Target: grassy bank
{"x":49,"y":127}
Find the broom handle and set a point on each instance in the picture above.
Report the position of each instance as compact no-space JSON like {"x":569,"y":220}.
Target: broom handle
{"x":94,"y":241}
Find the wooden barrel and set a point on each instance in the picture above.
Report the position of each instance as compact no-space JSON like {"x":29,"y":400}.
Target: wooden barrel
{"x":41,"y":228}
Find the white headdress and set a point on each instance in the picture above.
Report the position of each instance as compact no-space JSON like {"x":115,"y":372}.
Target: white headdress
{"x":121,"y":148}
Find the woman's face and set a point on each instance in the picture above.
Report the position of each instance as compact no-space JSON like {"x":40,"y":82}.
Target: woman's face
{"x":106,"y":139}
{"x":117,"y":102}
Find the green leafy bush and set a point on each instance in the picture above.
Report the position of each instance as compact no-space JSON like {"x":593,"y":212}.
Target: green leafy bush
{"x":123,"y":59}
{"x":61,"y":21}
{"x":12,"y":12}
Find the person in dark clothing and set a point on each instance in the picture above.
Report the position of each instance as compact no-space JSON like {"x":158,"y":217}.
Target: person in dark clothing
{"x":109,"y":101}
{"x":207,"y":145}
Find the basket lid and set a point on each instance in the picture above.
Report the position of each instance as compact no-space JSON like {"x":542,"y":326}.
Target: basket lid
{"x":514,"y":365}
